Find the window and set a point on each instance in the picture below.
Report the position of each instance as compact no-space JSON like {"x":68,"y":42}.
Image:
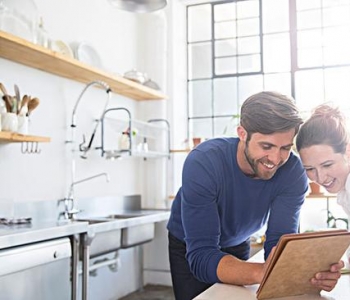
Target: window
{"x":237,"y":48}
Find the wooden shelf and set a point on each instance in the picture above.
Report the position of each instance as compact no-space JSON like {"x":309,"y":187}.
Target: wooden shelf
{"x":35,"y":56}
{"x":321,"y":195}
{"x":180,"y":150}
{"x":15,"y":137}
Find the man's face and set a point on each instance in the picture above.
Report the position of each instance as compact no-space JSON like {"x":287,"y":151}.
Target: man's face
{"x":262,"y":155}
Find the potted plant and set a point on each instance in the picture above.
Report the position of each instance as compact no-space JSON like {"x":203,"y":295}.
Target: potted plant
{"x":315,"y":188}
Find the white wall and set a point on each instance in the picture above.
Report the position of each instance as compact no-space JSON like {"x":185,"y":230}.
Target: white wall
{"x":124,"y":41}
{"x":46,"y":176}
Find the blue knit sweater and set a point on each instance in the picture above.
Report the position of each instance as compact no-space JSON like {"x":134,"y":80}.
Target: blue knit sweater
{"x":218,"y":206}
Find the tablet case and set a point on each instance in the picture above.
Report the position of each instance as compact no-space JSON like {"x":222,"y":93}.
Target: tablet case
{"x":297,"y":258}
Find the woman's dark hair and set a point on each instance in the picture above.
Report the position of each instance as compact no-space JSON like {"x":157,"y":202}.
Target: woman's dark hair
{"x":326,"y":126}
{"x":269,"y":112}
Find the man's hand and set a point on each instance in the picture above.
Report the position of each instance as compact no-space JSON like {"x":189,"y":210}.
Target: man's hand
{"x":328,"y":280}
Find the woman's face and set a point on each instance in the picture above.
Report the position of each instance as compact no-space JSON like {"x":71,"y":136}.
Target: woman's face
{"x":325,"y":167}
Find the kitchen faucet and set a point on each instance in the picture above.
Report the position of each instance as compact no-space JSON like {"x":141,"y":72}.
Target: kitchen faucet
{"x":69,"y":202}
{"x":83,"y":148}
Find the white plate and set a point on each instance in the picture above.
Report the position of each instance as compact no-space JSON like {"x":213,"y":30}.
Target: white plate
{"x":87,"y":54}
{"x":61,"y":47}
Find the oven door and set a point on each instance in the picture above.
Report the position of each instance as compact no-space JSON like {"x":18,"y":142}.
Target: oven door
{"x":37,"y":271}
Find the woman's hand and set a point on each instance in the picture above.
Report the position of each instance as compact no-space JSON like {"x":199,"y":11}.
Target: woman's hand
{"x":328,"y":280}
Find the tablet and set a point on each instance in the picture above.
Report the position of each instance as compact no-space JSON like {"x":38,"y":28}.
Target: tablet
{"x":297,"y":258}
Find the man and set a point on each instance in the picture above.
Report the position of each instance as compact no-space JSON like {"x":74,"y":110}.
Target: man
{"x":232,"y":187}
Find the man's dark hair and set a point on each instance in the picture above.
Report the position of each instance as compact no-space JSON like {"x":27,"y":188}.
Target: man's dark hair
{"x":269,"y":112}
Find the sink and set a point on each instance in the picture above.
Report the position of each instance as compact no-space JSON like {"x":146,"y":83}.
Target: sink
{"x":105,"y":242}
{"x":135,"y":234}
{"x":107,"y":234}
{"x":124,"y":216}
{"x":92,"y":221}
{"x":103,"y":239}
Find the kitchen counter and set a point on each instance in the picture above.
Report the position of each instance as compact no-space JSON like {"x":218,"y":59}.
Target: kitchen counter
{"x":221,"y":291}
{"x":103,"y":225}
{"x":15,"y":235}
{"x":123,"y":219}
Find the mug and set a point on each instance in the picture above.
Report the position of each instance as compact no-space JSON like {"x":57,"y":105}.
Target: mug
{"x":9,"y":122}
{"x":22,"y":124}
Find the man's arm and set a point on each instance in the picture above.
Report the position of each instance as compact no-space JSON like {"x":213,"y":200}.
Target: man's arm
{"x":231,"y":270}
{"x":234,"y":271}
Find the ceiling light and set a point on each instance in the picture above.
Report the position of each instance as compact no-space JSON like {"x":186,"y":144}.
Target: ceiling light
{"x":139,"y":6}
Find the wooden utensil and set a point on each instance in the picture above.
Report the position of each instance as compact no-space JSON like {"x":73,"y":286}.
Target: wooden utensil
{"x":3,"y":89}
{"x":6,"y":97}
{"x":18,"y":98}
{"x":8,"y":103}
{"x":32,"y":104}
{"x":23,"y":110}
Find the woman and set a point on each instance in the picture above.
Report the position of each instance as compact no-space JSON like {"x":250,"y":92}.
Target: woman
{"x":323,"y":146}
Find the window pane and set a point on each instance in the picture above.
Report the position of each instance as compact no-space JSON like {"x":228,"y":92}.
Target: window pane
{"x":226,"y":126}
{"x":312,"y":57}
{"x":225,"y":30}
{"x":327,"y":3}
{"x":336,"y":15}
{"x":225,"y":48}
{"x":309,"y":89}
{"x":275,"y":15}
{"x":249,"y":85}
{"x":199,"y":23}
{"x":336,"y":55}
{"x":337,"y":45}
{"x":278,"y":82}
{"x":310,"y":53}
{"x":337,"y":87}
{"x":249,"y":63}
{"x":302,"y":4}
{"x":248,"y":27}
{"x":225,"y":96}
{"x":247,"y":9}
{"x":226,"y":65}
{"x":200,"y":96}
{"x":201,"y":128}
{"x":309,"y":38}
{"x":248,"y":45}
{"x":276,"y":53}
{"x":337,"y":36}
{"x":309,"y":19}
{"x":224,"y":12}
{"x":200,"y":61}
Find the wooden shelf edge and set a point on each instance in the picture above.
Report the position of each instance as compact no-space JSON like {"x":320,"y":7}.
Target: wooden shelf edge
{"x":16,"y":137}
{"x":180,"y":150}
{"x":21,"y":51}
{"x":319,"y":196}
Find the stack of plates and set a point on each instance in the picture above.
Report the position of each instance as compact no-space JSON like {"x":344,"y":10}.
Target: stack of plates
{"x":87,"y":54}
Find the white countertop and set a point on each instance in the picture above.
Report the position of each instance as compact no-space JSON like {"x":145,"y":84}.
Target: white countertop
{"x":221,"y":291}
{"x":15,"y":235}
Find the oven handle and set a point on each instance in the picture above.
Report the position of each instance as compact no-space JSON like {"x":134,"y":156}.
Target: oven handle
{"x":20,"y":258}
